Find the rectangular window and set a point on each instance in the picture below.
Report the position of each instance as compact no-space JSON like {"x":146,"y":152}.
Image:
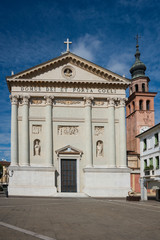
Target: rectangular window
{"x":157,"y":162}
{"x":156,"y":140}
{"x":145,"y":163}
{"x":144,"y":144}
{"x":151,"y":163}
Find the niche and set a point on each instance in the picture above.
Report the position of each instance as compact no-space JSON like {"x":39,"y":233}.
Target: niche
{"x":99,"y":148}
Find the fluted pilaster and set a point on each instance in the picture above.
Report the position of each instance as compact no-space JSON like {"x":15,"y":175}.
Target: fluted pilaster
{"x":14,"y":130}
{"x":111,"y":133}
{"x":49,"y":132}
{"x":88,"y":128}
{"x":25,"y":132}
{"x":122,"y":133}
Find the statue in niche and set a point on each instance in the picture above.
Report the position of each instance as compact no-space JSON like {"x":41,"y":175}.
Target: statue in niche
{"x":99,"y":149}
{"x":37,"y":148}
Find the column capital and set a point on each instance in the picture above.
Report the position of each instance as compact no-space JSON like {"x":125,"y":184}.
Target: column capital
{"x":25,"y":99}
{"x":88,"y":101}
{"x":111,"y":102}
{"x":49,"y":100}
{"x":14,"y":99}
{"x":122,"y":102}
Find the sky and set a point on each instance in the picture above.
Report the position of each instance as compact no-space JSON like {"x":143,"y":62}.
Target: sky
{"x":103,"y":32}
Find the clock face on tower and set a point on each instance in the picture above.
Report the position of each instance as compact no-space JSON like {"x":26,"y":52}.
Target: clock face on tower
{"x":143,"y":129}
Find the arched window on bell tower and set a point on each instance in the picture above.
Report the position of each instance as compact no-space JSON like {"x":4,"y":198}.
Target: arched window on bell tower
{"x":129,"y":109}
{"x":136,"y":88}
{"x":133,"y":105}
{"x":147,"y":105}
{"x":141,"y":105}
{"x":143,"y":87}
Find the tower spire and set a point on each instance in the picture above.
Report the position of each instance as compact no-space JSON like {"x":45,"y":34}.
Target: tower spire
{"x":138,"y":68}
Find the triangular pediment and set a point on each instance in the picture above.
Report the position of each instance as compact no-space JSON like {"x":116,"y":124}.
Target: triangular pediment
{"x":81,"y":70}
{"x":67,"y":150}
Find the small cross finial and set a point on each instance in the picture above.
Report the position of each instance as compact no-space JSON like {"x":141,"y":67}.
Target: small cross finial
{"x":137,"y":37}
{"x":67,"y":42}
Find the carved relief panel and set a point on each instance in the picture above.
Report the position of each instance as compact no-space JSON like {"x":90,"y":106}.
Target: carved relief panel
{"x":98,"y":130}
{"x":68,"y":130}
{"x":36,"y":129}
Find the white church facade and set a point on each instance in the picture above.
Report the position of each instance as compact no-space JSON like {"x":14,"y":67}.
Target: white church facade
{"x":68,"y":130}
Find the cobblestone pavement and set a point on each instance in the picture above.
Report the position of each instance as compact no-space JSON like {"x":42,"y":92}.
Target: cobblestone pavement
{"x":78,"y":218}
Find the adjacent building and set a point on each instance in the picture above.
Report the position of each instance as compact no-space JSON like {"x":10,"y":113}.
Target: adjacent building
{"x":150,"y":160}
{"x":5,"y":177}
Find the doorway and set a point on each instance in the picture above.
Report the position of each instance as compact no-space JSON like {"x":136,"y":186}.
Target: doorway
{"x":68,"y":175}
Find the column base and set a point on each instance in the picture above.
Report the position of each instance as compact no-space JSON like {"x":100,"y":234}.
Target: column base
{"x":107,"y":182}
{"x":32,"y":181}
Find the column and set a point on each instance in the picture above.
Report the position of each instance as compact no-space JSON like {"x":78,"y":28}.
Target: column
{"x":25,"y":132}
{"x":122,"y":134}
{"x":14,"y":131}
{"x":111,"y":133}
{"x":49,"y":133}
{"x":88,"y":128}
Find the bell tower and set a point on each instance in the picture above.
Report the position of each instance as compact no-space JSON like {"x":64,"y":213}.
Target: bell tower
{"x":140,"y":104}
{"x":139,"y":115}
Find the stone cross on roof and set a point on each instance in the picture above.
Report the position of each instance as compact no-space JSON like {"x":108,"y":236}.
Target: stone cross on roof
{"x":67,"y":42}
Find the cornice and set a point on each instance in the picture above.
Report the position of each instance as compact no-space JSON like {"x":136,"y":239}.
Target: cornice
{"x":141,"y":77}
{"x":140,"y":94}
{"x":51,"y":82}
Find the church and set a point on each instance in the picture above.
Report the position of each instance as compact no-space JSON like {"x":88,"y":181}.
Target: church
{"x":68,"y":133}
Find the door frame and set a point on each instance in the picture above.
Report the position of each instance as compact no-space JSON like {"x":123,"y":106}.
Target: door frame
{"x":68,"y":152}
{"x":77,"y":168}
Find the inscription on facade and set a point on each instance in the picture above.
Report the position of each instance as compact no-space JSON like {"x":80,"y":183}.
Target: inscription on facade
{"x":67,"y":90}
{"x":68,"y":130}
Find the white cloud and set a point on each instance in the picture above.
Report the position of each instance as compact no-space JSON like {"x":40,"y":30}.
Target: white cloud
{"x":5,"y":153}
{"x":87,"y":46}
{"x":120,"y":64}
